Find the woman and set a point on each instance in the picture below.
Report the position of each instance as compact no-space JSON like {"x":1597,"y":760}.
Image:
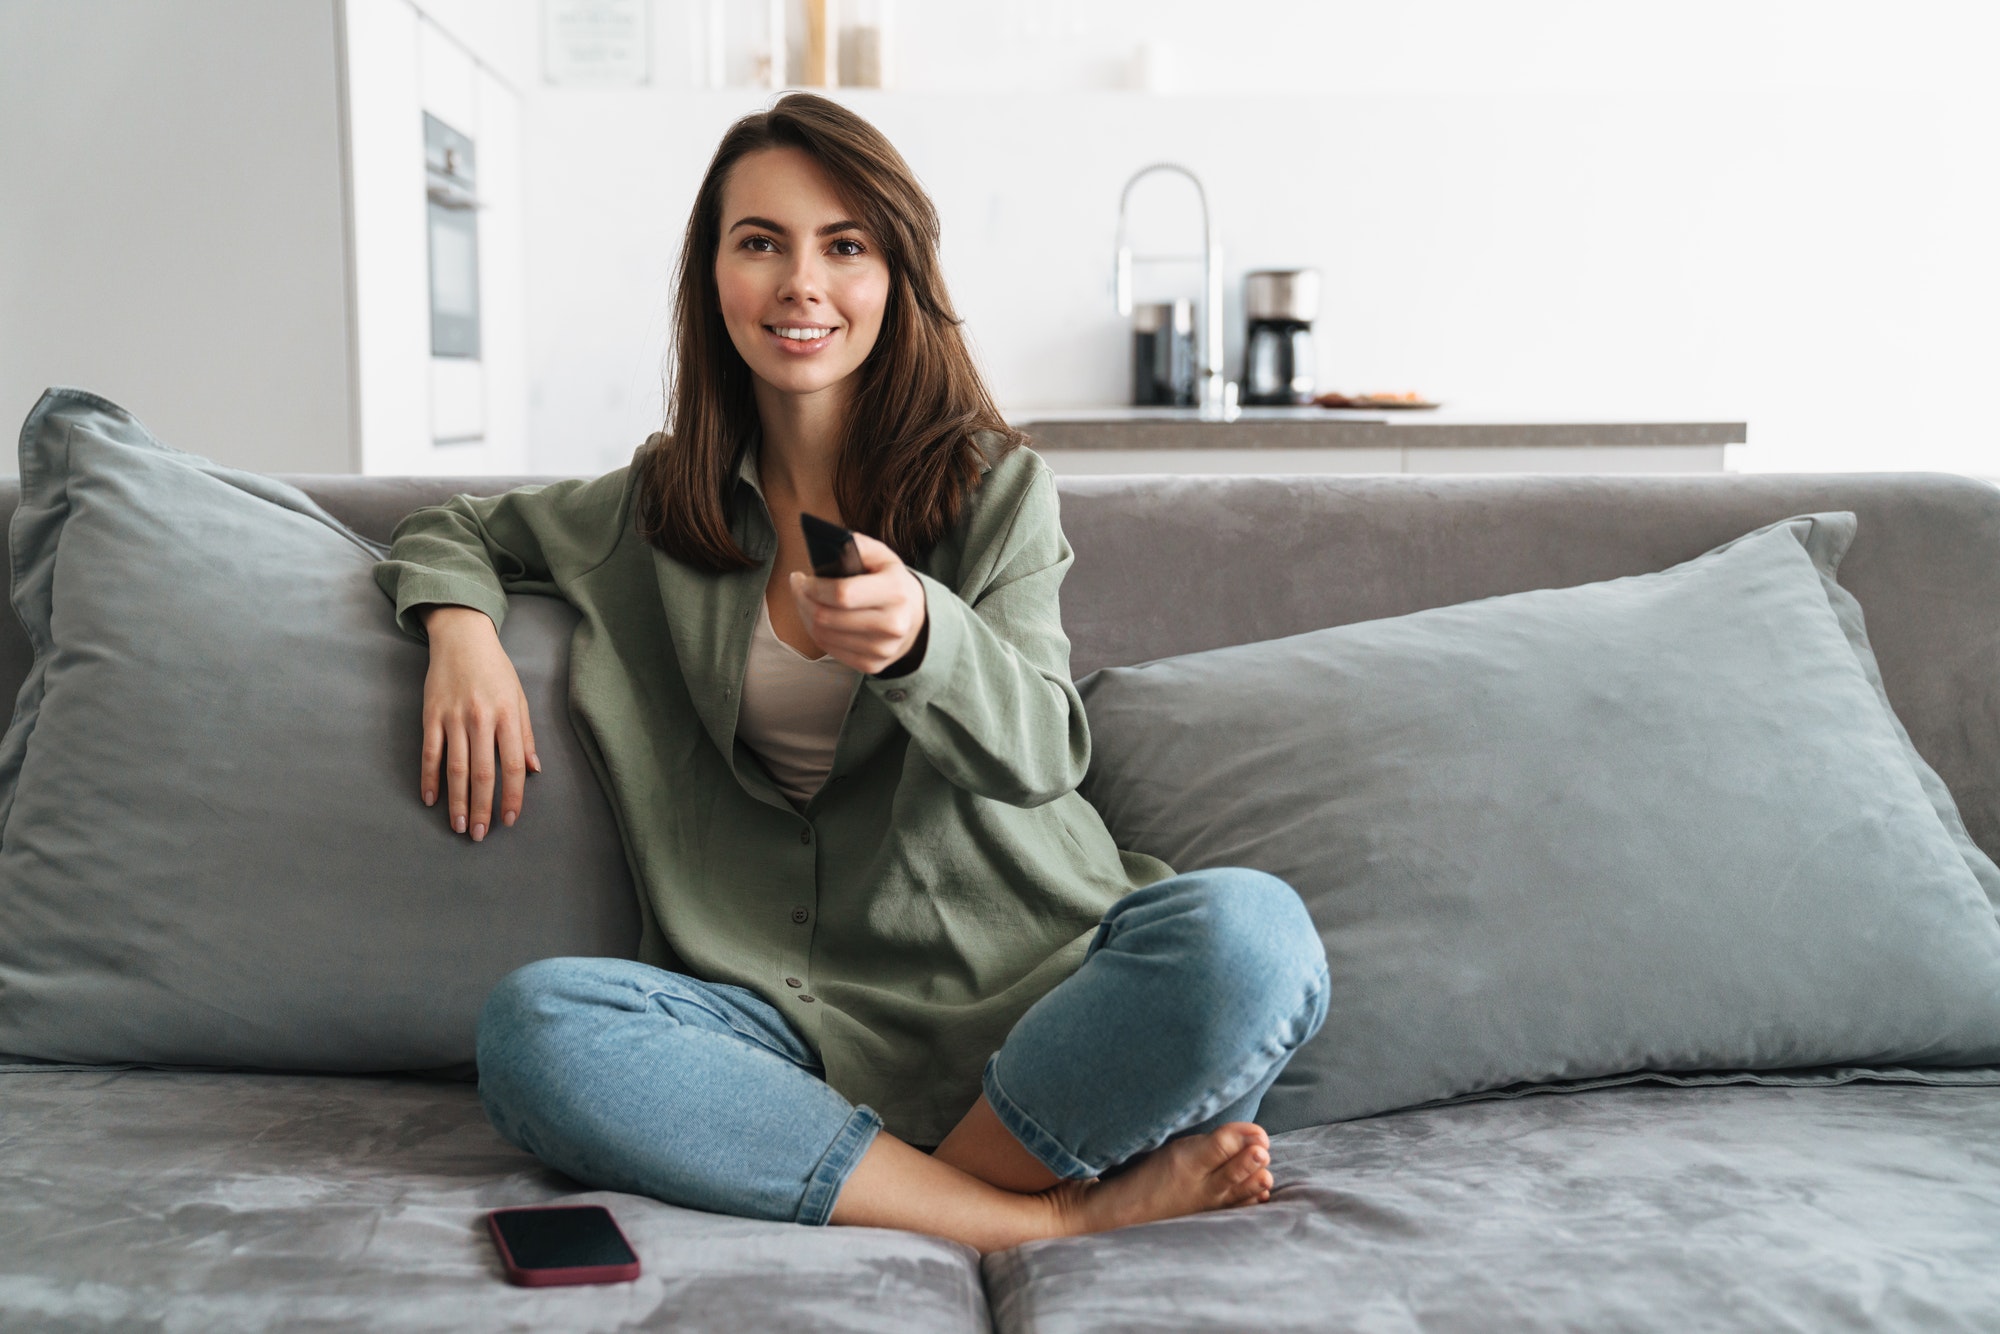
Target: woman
{"x":849,"y":803}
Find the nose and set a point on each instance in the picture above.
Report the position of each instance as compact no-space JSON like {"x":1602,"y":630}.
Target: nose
{"x":804,"y":279}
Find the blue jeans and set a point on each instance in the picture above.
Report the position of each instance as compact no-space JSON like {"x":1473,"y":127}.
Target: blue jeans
{"x":1193,"y":995}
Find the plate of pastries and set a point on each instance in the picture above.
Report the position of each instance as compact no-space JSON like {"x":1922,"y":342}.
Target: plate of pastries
{"x":1406,"y":399}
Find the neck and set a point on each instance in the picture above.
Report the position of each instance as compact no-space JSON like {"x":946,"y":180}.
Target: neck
{"x":801,"y":443}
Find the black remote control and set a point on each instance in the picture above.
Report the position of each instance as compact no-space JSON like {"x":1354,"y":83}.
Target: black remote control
{"x":830,"y":548}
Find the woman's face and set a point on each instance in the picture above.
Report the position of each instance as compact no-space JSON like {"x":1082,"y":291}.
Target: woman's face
{"x":802,"y":284}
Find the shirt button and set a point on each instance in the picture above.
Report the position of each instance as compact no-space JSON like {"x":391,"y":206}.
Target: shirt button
{"x":807,"y":999}
{"x":793,"y":982}
{"x":799,"y":916}
{"x":895,"y":696}
{"x":805,"y":835}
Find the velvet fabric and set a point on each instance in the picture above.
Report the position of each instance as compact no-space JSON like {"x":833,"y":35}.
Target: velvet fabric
{"x":1861,"y":1209}
{"x":212,"y":848}
{"x":150,"y":1200}
{"x":1661,"y":822}
{"x":189,"y":1201}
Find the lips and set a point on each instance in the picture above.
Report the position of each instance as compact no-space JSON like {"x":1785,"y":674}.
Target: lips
{"x":800,"y":339}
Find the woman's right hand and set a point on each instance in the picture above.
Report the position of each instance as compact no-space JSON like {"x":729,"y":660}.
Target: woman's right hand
{"x":474,"y":709}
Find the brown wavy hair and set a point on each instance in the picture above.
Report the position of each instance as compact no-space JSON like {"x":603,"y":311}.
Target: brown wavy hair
{"x":907,"y":460}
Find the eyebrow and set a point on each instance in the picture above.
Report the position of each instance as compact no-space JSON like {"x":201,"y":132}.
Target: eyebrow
{"x":844,"y":225}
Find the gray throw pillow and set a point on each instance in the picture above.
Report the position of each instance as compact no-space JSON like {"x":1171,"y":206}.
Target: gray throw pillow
{"x":212,"y":850}
{"x":1662,"y":823}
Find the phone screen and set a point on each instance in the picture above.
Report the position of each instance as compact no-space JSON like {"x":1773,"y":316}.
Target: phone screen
{"x":563,"y":1237}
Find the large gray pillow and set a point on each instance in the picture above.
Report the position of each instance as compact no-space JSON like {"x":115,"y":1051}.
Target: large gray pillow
{"x":211,"y":846}
{"x":1662,"y":823}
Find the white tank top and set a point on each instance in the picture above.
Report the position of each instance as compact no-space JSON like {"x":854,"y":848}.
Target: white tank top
{"x":792,"y":709}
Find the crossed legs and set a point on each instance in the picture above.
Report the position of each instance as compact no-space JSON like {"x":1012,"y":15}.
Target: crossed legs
{"x":1124,"y":1095}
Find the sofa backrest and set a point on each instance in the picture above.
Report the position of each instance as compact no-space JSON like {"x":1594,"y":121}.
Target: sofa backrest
{"x":1168,"y":565}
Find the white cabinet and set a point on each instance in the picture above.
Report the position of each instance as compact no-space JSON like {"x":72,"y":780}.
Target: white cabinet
{"x":216,"y":217}
{"x":421,"y":412}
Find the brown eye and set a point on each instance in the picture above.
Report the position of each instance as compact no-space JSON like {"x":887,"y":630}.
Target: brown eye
{"x":854,"y":247}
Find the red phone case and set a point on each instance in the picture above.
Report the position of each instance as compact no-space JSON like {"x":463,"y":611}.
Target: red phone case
{"x":551,"y":1278}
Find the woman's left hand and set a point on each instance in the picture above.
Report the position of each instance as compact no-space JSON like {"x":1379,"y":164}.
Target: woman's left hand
{"x":868,"y":621}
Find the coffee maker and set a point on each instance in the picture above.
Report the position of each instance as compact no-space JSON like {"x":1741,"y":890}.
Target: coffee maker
{"x":1279,"y":362}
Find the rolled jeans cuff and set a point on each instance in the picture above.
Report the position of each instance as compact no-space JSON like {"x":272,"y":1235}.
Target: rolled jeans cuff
{"x":1024,"y":1128}
{"x":835,"y":1165}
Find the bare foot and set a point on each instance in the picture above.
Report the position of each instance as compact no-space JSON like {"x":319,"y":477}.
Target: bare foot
{"x":1220,"y":1170}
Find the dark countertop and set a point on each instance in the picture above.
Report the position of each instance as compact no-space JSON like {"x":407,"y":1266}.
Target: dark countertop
{"x":1321,"y":428}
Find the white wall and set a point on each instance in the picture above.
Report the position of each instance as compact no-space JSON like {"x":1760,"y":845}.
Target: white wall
{"x":1747,"y":209}
{"x":177,"y":231}
{"x":171,"y":222}
{"x":1768,"y":211}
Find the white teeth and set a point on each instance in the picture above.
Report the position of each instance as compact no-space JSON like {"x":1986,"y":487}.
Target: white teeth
{"x":803,"y":335}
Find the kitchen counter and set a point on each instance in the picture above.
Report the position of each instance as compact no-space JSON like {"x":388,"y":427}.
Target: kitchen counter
{"x":1099,"y":440}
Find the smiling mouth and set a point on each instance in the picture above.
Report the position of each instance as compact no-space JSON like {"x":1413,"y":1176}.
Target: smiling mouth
{"x":799,"y":339}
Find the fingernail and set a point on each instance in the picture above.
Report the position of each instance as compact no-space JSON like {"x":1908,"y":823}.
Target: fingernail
{"x":430,"y":798}
{"x":508,"y":819}
{"x":535,"y":763}
{"x":458,"y":823}
{"x":478,"y":832}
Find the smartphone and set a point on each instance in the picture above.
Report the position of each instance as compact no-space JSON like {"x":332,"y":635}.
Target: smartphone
{"x":546,"y":1246}
{"x":830,"y":548}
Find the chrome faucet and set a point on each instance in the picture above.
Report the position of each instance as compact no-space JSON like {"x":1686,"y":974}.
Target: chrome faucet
{"x":1218,"y":399}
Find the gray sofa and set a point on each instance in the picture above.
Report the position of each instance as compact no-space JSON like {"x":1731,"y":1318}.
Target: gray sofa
{"x":147,"y":1199}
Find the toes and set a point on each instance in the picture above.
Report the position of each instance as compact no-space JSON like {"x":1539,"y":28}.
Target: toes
{"x":1225,"y":1142}
{"x":1247,"y":1164}
{"x":1250,"y":1133}
{"x":1255,"y":1189}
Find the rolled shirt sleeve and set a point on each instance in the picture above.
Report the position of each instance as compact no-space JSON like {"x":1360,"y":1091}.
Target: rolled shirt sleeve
{"x":472,"y":551}
{"x":991,"y":704}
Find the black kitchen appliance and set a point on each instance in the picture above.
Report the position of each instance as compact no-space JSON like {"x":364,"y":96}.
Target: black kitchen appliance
{"x":1280,"y":365}
{"x":1163,"y":355}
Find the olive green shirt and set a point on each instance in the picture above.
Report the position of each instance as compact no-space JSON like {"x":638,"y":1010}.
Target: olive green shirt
{"x":946,"y":875}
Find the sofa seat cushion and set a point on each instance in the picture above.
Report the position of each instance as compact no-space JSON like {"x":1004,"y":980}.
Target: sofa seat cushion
{"x":216,"y":1202}
{"x":1861,"y":1207}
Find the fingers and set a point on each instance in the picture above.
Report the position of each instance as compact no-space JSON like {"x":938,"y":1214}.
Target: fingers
{"x":869,"y":614}
{"x":875,"y":555}
{"x":428,"y":772}
{"x":477,"y":730}
{"x":480,"y":735}
{"x":884,"y":588}
{"x":528,"y":738}
{"x":513,"y":768}
{"x":865,"y":641}
{"x":457,"y":758}
{"x":485,"y":758}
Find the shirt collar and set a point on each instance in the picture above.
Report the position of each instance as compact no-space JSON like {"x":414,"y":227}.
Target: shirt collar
{"x":746,"y":462}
